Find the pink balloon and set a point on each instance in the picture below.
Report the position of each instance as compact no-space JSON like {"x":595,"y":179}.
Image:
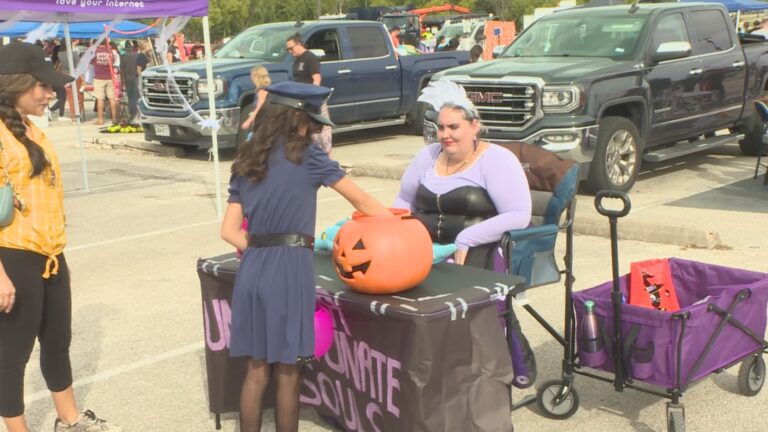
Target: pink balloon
{"x":323,"y":331}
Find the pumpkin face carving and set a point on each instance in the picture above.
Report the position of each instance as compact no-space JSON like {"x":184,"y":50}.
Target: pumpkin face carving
{"x":382,"y":255}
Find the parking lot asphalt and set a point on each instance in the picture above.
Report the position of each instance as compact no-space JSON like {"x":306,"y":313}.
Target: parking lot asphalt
{"x":151,"y":213}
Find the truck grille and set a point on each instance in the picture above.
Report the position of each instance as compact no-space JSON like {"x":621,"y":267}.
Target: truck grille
{"x":158,"y":92}
{"x":504,"y":106}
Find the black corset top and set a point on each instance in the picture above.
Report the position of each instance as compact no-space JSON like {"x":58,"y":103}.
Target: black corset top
{"x":446,"y":215}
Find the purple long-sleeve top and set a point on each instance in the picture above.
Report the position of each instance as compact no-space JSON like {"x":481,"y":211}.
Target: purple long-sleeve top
{"x":497,"y":171}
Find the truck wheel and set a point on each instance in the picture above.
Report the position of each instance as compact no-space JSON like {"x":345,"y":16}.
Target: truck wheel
{"x":617,"y":156}
{"x":753,"y":141}
{"x":417,"y":118}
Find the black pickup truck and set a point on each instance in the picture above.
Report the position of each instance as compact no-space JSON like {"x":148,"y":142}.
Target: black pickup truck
{"x":616,"y":85}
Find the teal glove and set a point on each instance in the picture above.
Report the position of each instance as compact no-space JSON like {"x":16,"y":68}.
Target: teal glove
{"x":440,"y":252}
{"x":324,"y":242}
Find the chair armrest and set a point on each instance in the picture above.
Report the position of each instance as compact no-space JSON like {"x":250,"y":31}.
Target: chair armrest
{"x":530,"y":253}
{"x":532,"y":232}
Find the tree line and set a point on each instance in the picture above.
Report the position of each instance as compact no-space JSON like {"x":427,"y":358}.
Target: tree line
{"x":229,"y":17}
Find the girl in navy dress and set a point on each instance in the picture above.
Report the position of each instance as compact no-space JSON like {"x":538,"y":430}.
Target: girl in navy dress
{"x":275,"y":178}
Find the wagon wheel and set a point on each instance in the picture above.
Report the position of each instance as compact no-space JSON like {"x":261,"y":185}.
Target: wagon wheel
{"x":752,"y":375}
{"x":676,"y":422}
{"x":546,"y":396}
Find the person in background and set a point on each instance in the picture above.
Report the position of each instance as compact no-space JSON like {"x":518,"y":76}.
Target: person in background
{"x":439,"y":43}
{"x":35,"y":291}
{"x":260,"y":79}
{"x":274,"y":183}
{"x":103,"y":83}
{"x":476,"y":54}
{"x":145,"y":57}
{"x":761,"y":29}
{"x":394,"y":34}
{"x":129,"y":72}
{"x":306,"y":65}
{"x":61,"y":92}
{"x":453,"y":44}
{"x":306,"y":69}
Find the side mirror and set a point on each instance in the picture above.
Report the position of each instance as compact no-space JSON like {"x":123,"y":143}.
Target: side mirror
{"x":479,"y":37}
{"x":671,"y":51}
{"x":497,"y":50}
{"x":320,"y":53}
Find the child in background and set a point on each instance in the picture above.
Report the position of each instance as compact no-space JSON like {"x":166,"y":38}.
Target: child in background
{"x":261,"y":80}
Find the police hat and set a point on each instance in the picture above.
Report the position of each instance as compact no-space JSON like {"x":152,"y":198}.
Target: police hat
{"x":24,"y":58}
{"x":306,"y":97}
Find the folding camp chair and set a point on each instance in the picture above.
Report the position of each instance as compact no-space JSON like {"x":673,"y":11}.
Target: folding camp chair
{"x":762,"y":110}
{"x":530,"y":252}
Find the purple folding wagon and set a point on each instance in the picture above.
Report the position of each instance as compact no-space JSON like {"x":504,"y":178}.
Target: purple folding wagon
{"x":721,"y":322}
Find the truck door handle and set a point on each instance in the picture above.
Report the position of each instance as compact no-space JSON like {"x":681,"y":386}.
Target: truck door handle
{"x":344,"y":71}
{"x":694,"y":72}
{"x":390,"y":67}
{"x":737,"y":64}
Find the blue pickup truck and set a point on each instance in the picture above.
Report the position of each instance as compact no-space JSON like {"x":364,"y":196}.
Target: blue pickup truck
{"x":372,"y":85}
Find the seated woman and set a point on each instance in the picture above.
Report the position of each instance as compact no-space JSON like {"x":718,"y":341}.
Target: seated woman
{"x":465,"y":190}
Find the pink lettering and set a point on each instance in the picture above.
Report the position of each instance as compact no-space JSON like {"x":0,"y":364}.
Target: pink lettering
{"x":315,"y":399}
{"x":350,"y":362}
{"x":364,"y":361}
{"x":326,"y":387}
{"x":349,"y":410}
{"x":338,"y":365}
{"x":370,"y":410}
{"x":223,"y":324}
{"x":392,"y":384}
{"x":380,"y":361}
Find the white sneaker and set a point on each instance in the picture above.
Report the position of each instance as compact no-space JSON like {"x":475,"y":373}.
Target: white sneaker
{"x":86,"y":422}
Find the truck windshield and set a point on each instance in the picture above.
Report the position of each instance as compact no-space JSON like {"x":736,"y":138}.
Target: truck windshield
{"x":580,"y":36}
{"x":258,"y":44}
{"x":451,"y":31}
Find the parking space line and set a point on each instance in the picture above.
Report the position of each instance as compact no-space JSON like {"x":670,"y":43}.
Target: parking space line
{"x":180,"y":228}
{"x":107,"y":374}
{"x":139,"y":236}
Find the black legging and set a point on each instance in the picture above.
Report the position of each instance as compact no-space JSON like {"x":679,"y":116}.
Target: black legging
{"x":43,"y":310}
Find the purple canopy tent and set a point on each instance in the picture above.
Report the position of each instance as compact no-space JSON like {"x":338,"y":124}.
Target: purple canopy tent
{"x":67,"y":11}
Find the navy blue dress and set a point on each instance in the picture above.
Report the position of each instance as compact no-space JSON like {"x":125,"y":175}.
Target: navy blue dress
{"x":273,"y":303}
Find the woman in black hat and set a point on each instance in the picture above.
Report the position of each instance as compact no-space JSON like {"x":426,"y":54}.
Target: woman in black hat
{"x":35,"y":297}
{"x":275,"y":178}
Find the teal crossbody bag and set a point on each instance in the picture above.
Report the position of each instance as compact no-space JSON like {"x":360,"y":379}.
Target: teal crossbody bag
{"x":7,"y":207}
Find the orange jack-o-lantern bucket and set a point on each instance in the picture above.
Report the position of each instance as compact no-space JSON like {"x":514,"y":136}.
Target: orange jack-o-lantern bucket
{"x":382,"y":254}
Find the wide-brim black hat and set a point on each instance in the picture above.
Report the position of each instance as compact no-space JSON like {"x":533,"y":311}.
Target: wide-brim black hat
{"x":24,"y":58}
{"x":306,"y":97}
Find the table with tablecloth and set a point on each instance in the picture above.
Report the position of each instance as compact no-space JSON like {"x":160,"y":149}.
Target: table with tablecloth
{"x":433,"y":358}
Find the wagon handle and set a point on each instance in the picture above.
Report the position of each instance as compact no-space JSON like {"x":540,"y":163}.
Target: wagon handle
{"x":627,"y":205}
{"x":613,"y":215}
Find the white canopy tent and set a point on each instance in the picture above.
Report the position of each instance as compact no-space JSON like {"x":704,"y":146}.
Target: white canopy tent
{"x":67,"y":11}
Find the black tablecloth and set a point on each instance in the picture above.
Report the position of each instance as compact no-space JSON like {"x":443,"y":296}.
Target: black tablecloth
{"x":433,"y":358}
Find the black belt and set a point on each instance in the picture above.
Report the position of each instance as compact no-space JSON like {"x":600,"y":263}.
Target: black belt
{"x":290,"y":240}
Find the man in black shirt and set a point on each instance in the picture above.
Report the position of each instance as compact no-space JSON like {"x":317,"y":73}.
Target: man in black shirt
{"x":306,"y":69}
{"x":306,"y":66}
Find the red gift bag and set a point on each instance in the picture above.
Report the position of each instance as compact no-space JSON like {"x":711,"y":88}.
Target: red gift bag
{"x":650,"y":285}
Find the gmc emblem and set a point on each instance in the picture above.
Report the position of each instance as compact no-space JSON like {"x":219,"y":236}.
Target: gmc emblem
{"x":486,"y":97}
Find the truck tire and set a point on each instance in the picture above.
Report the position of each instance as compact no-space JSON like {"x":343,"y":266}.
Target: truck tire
{"x":416,"y":122}
{"x":617,"y":155}
{"x":752,"y":143}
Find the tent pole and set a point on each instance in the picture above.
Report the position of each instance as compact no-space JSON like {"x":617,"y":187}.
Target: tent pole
{"x":212,"y":113}
{"x":76,"y":103}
